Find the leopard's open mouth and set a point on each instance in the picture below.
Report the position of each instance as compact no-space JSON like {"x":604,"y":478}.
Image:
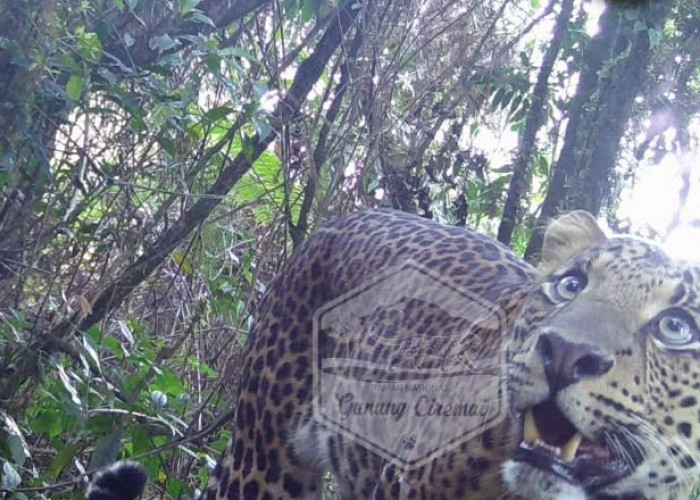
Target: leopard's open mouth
{"x":552,"y":443}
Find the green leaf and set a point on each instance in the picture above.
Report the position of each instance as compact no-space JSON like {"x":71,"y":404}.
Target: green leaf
{"x":182,"y":261}
{"x":113,"y":346}
{"x":68,"y":386}
{"x":161,"y":43}
{"x":91,"y":352}
{"x":216,"y":114}
{"x":10,"y":477}
{"x":63,"y":459}
{"x":163,"y":113}
{"x":107,"y":449}
{"x":138,"y":125}
{"x":66,"y":63}
{"x":262,"y":127}
{"x":168,"y":145}
{"x":75,"y":87}
{"x":140,"y":440}
{"x":18,"y":446}
{"x":199,"y":17}
{"x":498,"y":97}
{"x":307,"y":10}
{"x":187,"y":6}
{"x":176,"y":488}
{"x":126,"y":332}
{"x":259,"y":89}
{"x":655,"y":37}
{"x":168,"y":383}
{"x":90,"y":47}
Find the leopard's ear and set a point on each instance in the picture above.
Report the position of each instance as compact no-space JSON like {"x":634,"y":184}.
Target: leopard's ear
{"x":567,"y":236}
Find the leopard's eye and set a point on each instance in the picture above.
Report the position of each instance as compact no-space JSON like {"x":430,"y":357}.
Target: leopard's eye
{"x":570,"y":285}
{"x":675,"y":329}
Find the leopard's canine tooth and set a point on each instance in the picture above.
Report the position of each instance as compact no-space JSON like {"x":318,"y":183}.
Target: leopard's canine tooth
{"x":530,"y":432}
{"x":568,"y":451}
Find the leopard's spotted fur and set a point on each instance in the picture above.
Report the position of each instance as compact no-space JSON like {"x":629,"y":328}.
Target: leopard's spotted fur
{"x":600,"y":344}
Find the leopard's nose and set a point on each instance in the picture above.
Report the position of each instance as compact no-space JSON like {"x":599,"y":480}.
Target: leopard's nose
{"x":567,"y":362}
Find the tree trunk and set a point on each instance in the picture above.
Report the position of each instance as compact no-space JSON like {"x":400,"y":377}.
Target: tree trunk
{"x":534,"y":121}
{"x":298,"y":231}
{"x":614,"y":68}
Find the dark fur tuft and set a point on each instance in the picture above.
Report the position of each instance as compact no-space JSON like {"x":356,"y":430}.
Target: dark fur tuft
{"x":120,"y":481}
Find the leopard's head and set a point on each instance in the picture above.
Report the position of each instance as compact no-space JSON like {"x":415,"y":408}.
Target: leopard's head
{"x":604,"y":370}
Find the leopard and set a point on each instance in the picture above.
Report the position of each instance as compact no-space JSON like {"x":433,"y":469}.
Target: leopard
{"x":575,"y":379}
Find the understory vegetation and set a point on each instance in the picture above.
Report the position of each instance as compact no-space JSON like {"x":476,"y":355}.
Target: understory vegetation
{"x":159,"y":162}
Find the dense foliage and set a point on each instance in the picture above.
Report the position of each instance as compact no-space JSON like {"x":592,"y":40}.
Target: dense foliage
{"x":159,"y":160}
